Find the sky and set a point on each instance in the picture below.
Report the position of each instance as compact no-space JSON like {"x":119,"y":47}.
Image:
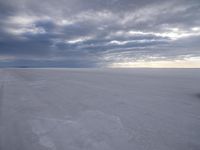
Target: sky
{"x":100,"y":33}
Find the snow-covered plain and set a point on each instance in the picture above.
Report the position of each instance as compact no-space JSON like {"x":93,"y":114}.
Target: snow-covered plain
{"x":99,"y":109}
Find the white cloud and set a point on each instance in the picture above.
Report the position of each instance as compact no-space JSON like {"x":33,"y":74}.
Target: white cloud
{"x":23,"y":30}
{"x":18,"y":25}
{"x":79,"y":39}
{"x":151,"y":13}
{"x":7,"y":58}
{"x":196,"y":29}
{"x":171,"y":33}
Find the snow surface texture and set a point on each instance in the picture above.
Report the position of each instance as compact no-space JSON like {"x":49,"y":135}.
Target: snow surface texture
{"x":91,"y":109}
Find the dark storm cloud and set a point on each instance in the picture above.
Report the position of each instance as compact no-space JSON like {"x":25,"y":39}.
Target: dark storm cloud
{"x":90,"y":33}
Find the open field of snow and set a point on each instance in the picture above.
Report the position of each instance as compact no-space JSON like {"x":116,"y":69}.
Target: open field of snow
{"x":99,"y":109}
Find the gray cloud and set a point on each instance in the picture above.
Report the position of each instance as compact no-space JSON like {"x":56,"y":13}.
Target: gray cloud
{"x":91,"y":33}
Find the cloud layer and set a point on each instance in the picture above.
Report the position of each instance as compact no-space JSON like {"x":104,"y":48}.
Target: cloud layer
{"x":96,"y":33}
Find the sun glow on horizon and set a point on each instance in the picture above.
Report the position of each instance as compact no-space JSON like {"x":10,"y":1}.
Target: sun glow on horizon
{"x":193,"y":62}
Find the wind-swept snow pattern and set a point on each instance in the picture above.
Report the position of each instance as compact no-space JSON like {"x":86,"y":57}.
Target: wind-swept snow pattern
{"x":99,"y":109}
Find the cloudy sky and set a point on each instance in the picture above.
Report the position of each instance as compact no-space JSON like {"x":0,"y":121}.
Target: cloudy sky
{"x":100,"y":33}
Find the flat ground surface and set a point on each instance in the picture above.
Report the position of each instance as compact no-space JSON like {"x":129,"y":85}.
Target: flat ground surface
{"x":87,"y":109}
